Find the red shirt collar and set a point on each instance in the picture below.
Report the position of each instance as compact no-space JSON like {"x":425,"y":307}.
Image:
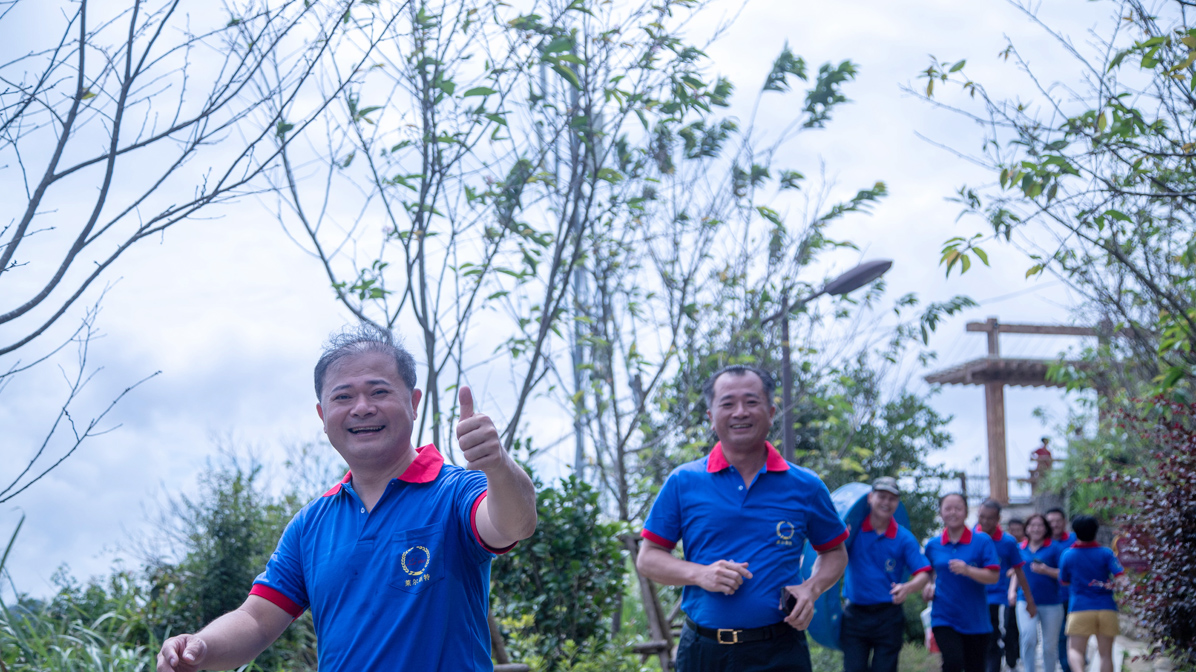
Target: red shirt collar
{"x":424,"y":469}
{"x":997,"y":534}
{"x":890,"y":531}
{"x":717,"y":461}
{"x":1045,"y":542}
{"x":1085,"y":544}
{"x":1065,"y":537}
{"x":965,"y":538}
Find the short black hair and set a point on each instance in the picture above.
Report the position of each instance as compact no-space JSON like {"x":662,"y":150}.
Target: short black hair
{"x":766,"y":379}
{"x":359,"y":339}
{"x":1057,"y":510}
{"x":954,"y":494}
{"x":1016,"y":521}
{"x":1085,"y":528}
{"x":991,"y":504}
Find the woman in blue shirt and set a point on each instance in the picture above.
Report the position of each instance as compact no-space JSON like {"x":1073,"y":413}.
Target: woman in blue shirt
{"x":963,"y":564}
{"x":1042,"y":557}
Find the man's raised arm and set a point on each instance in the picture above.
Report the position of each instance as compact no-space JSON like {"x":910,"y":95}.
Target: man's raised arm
{"x":721,"y":576}
{"x":508,"y":512}
{"x":228,"y":642}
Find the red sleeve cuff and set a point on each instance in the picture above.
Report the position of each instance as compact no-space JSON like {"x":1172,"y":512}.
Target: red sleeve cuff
{"x":927,"y":568}
{"x":473,"y":524}
{"x":1065,"y":583}
{"x":832,"y":543}
{"x":657,"y":539}
{"x":277,"y":599}
{"x":1020,"y":565}
{"x":995,"y":568}
{"x":1121,"y":573}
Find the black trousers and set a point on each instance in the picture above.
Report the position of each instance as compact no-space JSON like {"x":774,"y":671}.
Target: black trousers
{"x":1013,"y":638}
{"x":961,"y":653}
{"x":996,"y":642}
{"x":786,"y":652}
{"x":872,"y":630}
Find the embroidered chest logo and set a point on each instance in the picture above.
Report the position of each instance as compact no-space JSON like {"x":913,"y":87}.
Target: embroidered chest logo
{"x":785,"y":532}
{"x":415,"y":562}
{"x":890,"y":565}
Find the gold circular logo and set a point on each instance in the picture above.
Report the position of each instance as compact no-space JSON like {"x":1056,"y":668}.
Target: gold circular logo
{"x":785,"y":530}
{"x":418,"y":561}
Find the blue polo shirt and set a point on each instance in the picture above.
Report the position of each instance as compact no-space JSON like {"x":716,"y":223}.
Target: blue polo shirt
{"x":1044,"y":588}
{"x":706,"y":504}
{"x":405,"y":585}
{"x":960,"y":602}
{"x":1064,"y":544}
{"x":1011,"y":558}
{"x":1090,"y":568}
{"x":877,"y":560}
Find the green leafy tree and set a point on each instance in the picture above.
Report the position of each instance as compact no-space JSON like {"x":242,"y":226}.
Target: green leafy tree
{"x":1094,"y":180}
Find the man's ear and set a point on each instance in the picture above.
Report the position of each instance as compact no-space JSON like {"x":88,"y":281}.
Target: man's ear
{"x":320,"y":412}
{"x":772,"y":412}
{"x":416,"y":395}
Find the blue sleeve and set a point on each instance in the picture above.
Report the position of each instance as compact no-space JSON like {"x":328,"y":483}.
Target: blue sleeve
{"x":663,"y":525}
{"x":467,"y":497}
{"x":1065,"y":568}
{"x":825,"y":529}
{"x":1115,"y":567}
{"x":1013,"y":552}
{"x":282,"y":582}
{"x":914,"y":560}
{"x":987,"y":553}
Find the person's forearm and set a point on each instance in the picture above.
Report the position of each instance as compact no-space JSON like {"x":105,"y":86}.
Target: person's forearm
{"x":510,"y":503}
{"x":984,"y":575}
{"x":233,"y":640}
{"x":918,"y":581}
{"x":665,"y":568}
{"x":1025,"y":585}
{"x":827,"y":569}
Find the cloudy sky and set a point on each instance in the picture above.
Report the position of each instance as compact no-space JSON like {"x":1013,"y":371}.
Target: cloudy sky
{"x":233,"y":313}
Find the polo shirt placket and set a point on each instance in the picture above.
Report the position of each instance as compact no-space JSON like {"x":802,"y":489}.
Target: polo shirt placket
{"x":960,"y":602}
{"x":1044,"y":588}
{"x":405,"y":583}
{"x":706,"y":505}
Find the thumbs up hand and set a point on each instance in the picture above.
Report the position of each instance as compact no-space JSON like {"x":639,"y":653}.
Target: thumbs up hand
{"x":477,"y":436}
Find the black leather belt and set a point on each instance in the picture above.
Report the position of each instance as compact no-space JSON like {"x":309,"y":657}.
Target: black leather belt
{"x":733,"y":636}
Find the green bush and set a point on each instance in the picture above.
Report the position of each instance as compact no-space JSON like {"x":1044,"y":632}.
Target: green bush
{"x":565,"y":581}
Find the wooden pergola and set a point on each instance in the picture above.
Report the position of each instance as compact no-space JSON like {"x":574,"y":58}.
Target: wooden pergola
{"x":994,"y":373}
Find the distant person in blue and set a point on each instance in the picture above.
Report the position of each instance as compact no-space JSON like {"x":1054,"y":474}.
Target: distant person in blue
{"x":989,"y":522}
{"x":1042,"y":556}
{"x":1058,"y":520}
{"x":743,"y":514}
{"x":881,"y":554}
{"x":964,"y":563}
{"x":393,"y":561}
{"x":1091,"y":570}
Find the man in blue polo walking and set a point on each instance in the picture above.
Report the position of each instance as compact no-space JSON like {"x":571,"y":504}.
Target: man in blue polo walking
{"x":743,"y":514}
{"x":880,"y":556}
{"x":393,"y":561}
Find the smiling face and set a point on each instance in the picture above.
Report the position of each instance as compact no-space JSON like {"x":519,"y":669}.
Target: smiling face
{"x":742,"y":414}
{"x":1036,"y":529}
{"x":954,"y":511}
{"x":367,"y":410}
{"x":884,"y":504}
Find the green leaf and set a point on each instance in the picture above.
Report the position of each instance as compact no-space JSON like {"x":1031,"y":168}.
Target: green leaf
{"x":957,"y":67}
{"x":480,"y":91}
{"x":1034,"y":270}
{"x":568,"y":74}
{"x":283,"y":128}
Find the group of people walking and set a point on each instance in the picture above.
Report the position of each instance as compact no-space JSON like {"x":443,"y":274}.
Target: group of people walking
{"x":743,"y":513}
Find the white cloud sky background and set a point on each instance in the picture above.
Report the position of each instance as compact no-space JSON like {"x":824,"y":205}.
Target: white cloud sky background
{"x":233,"y":313}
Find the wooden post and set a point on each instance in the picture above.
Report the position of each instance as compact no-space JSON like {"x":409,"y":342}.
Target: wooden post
{"x":998,"y":470}
{"x":658,"y":625}
{"x":994,"y":405}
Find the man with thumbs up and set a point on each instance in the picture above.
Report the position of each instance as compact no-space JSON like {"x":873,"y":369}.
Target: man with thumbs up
{"x":393,"y":561}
